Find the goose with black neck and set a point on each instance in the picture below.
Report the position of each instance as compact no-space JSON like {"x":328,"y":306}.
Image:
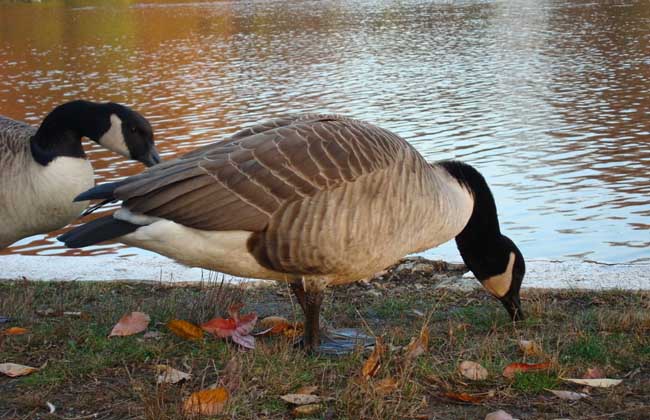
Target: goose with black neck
{"x":312,"y":200}
{"x":43,"y":169}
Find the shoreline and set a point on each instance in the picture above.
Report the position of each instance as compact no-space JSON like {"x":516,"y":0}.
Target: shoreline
{"x":544,"y":274}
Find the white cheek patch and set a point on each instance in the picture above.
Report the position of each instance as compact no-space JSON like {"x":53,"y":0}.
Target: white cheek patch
{"x":500,"y":284}
{"x":113,"y":139}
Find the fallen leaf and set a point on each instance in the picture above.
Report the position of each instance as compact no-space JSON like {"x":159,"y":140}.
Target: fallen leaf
{"x":473,"y":371}
{"x":499,"y":415}
{"x":14,"y":331}
{"x":130,"y":324}
{"x":169,"y":375}
{"x":274,"y":324}
{"x":530,"y":348}
{"x":596,"y":383}
{"x":246,"y":341}
{"x":307,"y":410}
{"x":593,"y":373}
{"x":512,"y":368}
{"x":50,"y":407}
{"x":568,"y":395}
{"x":208,"y":402}
{"x":15,"y":370}
{"x":307,"y":390}
{"x":301,"y":399}
{"x":185,"y":329}
{"x":418,"y":346}
{"x":386,"y":386}
{"x":372,"y":365}
{"x":238,"y":327}
{"x":464,"y":397}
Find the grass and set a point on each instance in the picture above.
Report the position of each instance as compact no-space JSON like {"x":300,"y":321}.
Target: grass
{"x":85,"y":374}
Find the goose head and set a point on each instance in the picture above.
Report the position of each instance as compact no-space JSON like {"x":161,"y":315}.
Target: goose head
{"x":124,"y":131}
{"x":501,"y":271}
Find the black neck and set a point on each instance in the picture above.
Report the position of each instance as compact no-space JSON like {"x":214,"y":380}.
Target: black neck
{"x":61,"y":131}
{"x":483,"y":248}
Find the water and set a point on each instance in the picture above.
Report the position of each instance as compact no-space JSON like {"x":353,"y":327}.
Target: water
{"x":549,"y":99}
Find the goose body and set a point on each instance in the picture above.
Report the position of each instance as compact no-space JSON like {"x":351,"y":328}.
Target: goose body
{"x":314,"y":200}
{"x":43,"y":169}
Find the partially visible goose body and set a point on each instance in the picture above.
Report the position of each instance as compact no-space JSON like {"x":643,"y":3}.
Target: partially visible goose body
{"x":313,"y":200}
{"x":43,"y":169}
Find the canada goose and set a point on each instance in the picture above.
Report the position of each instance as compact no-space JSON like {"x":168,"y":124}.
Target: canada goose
{"x":314,"y":200}
{"x":42,"y":170}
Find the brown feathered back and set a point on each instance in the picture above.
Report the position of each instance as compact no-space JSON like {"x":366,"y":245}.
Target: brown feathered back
{"x":239,"y":184}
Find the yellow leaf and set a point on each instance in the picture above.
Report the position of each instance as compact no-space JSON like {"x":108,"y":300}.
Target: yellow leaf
{"x":130,"y":324}
{"x":185,"y":329}
{"x":372,"y":365}
{"x":14,"y":331}
{"x":14,"y":369}
{"x":307,"y":410}
{"x":208,"y":402}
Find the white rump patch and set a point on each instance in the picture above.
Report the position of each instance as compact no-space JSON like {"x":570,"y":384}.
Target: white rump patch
{"x":500,"y":284}
{"x":113,"y":139}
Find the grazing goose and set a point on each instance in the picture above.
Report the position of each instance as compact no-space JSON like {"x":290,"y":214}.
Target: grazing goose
{"x":313,"y":200}
{"x":42,"y":170}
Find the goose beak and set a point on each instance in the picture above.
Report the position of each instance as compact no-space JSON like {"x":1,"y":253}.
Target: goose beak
{"x":151,"y":158}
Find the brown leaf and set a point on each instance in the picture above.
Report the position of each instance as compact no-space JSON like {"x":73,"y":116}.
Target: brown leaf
{"x":593,"y":373}
{"x":530,"y":348}
{"x":169,"y":375}
{"x":14,"y":331}
{"x":512,"y":368}
{"x":473,"y":371}
{"x":464,"y":397}
{"x":418,"y":346}
{"x":185,"y":329}
{"x":130,"y":324}
{"x":499,"y":415}
{"x":386,"y":386}
{"x":568,"y":395}
{"x":307,"y":390}
{"x":301,"y":399}
{"x":308,"y":410}
{"x":15,"y":370}
{"x":208,"y":402}
{"x":596,"y":383}
{"x":372,"y":365}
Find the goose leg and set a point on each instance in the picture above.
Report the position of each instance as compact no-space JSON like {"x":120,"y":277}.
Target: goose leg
{"x":310,"y":302}
{"x":330,"y":342}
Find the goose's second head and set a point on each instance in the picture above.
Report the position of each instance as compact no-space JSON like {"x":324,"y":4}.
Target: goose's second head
{"x":501,"y":272}
{"x":124,"y":131}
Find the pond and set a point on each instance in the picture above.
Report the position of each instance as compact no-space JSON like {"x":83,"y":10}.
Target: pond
{"x":550,"y":100}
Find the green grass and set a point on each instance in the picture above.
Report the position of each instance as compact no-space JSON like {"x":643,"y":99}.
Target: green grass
{"x":534,"y":382}
{"x":83,"y":369}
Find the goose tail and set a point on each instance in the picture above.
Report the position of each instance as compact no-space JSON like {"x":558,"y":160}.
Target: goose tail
{"x":99,"y":230}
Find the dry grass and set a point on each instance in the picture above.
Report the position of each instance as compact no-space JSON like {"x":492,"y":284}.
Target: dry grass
{"x":87,"y":375}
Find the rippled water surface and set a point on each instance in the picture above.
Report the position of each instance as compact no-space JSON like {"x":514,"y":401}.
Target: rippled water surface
{"x":549,"y":99}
